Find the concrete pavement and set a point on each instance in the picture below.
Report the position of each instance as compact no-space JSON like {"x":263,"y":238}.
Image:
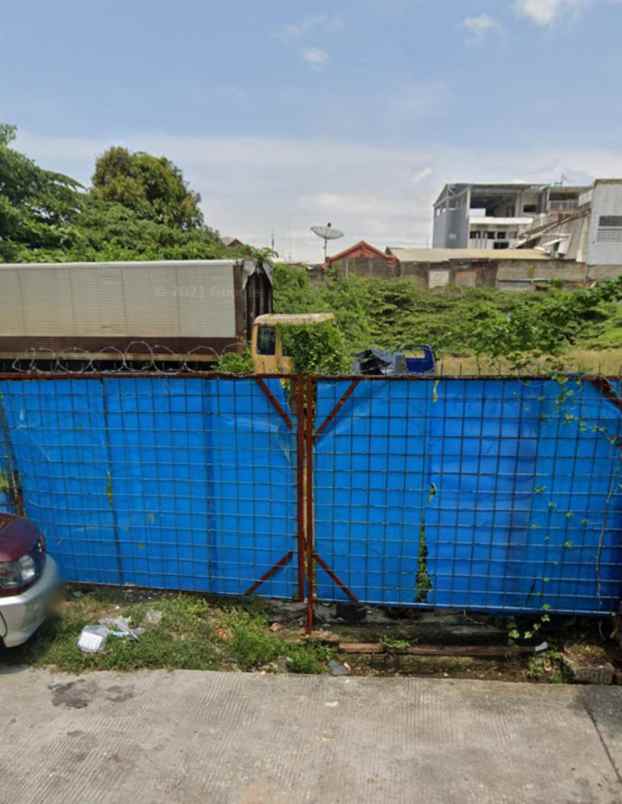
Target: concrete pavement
{"x":216,"y":737}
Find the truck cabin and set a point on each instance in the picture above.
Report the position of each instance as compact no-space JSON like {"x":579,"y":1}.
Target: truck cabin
{"x":267,"y":339}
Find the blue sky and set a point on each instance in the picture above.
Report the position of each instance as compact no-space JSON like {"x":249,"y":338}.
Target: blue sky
{"x":285,"y":115}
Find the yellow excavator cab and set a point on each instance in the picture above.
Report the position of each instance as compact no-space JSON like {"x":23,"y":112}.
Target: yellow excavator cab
{"x":267,"y":340}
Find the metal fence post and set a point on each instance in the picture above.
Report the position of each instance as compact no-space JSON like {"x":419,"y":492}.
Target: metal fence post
{"x":299,"y":394}
{"x":309,"y":404}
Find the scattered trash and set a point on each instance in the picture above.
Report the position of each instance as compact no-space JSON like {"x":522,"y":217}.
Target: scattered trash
{"x":120,"y":627}
{"x":93,"y":638}
{"x":276,"y":627}
{"x":337,"y":669}
{"x":541,"y":648}
{"x":332,"y":704}
{"x":224,"y":634}
{"x":153,"y":617}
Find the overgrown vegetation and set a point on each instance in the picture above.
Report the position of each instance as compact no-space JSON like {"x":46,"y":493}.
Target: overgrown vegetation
{"x":398,"y":315}
{"x":139,"y":208}
{"x":192,"y":634}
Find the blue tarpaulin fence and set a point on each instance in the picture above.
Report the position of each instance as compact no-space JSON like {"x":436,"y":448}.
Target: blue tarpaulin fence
{"x":489,"y":494}
{"x":493,"y":494}
{"x":159,"y":482}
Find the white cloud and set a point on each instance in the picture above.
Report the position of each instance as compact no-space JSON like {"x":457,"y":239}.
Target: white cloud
{"x":478,"y":27}
{"x":545,"y":12}
{"x":316,"y":57}
{"x":253,"y":186}
{"x":422,"y":175}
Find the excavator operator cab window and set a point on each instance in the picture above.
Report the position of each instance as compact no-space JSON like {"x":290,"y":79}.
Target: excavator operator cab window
{"x":266,"y":341}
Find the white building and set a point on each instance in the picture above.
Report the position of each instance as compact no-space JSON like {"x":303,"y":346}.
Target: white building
{"x":591,"y":233}
{"x":496,"y":216}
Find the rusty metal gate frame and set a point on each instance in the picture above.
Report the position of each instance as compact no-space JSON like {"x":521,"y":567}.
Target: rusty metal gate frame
{"x":306,"y":395}
{"x":300,"y":419}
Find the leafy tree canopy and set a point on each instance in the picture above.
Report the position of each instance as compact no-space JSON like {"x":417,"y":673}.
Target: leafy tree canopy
{"x":37,"y":207}
{"x":151,"y":186}
{"x":138,"y":209}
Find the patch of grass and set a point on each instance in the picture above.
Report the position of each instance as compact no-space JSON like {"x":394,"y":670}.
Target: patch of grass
{"x":182,"y":640}
{"x":307,"y":659}
{"x":397,"y":645}
{"x":252,"y":645}
{"x":192,"y":634}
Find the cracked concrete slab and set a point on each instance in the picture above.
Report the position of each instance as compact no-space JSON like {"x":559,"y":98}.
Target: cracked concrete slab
{"x":245,"y":739}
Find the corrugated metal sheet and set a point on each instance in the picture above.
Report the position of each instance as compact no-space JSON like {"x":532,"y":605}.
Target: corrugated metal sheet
{"x":162,"y":299}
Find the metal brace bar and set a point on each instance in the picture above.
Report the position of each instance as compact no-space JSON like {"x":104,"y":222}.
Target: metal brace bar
{"x":335,"y":578}
{"x":335,"y":411}
{"x":607,"y":390}
{"x":275,"y":402}
{"x":271,"y":573}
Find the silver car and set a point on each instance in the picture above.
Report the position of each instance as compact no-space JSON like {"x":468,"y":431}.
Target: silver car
{"x":28,"y":580}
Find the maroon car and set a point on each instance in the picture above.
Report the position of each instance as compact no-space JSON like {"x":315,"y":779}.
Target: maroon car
{"x":28,"y":580}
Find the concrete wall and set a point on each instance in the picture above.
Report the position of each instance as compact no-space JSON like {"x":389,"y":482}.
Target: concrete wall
{"x":605,"y":247}
{"x":369,"y":267}
{"x":524,"y":275}
{"x":519,"y":275}
{"x":451,"y":221}
{"x":601,"y":273}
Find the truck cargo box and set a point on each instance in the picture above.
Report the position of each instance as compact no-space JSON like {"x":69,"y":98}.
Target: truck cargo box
{"x":174,"y":309}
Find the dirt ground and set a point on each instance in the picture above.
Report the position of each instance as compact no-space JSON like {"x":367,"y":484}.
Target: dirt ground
{"x":191,"y":632}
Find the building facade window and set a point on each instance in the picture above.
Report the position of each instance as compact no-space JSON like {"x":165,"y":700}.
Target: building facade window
{"x":610,"y":229}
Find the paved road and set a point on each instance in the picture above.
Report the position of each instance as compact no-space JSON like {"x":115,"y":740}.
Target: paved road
{"x":215,"y":737}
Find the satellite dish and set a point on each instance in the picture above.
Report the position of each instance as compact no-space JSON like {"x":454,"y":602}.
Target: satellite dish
{"x":326,"y":233}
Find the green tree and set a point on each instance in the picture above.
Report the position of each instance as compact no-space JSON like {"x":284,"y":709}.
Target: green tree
{"x":151,"y":186}
{"x":48,"y":217}
{"x":37,"y":206}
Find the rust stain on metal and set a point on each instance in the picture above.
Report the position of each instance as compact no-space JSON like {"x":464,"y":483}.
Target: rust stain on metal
{"x":310,"y":537}
{"x":335,"y":578}
{"x":605,"y":387}
{"x":300,"y":483}
{"x":275,"y":402}
{"x":335,"y":411}
{"x":270,"y":573}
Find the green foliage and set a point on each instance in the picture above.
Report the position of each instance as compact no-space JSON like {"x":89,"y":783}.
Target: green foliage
{"x":151,"y":186}
{"x":398,"y":315}
{"x":395,"y":645}
{"x":37,"y":207}
{"x":234,"y":363}
{"x":191,"y":635}
{"x":424,"y":581}
{"x":253,"y":645}
{"x":316,"y":349}
{"x":144,"y":213}
{"x":546,"y":668}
